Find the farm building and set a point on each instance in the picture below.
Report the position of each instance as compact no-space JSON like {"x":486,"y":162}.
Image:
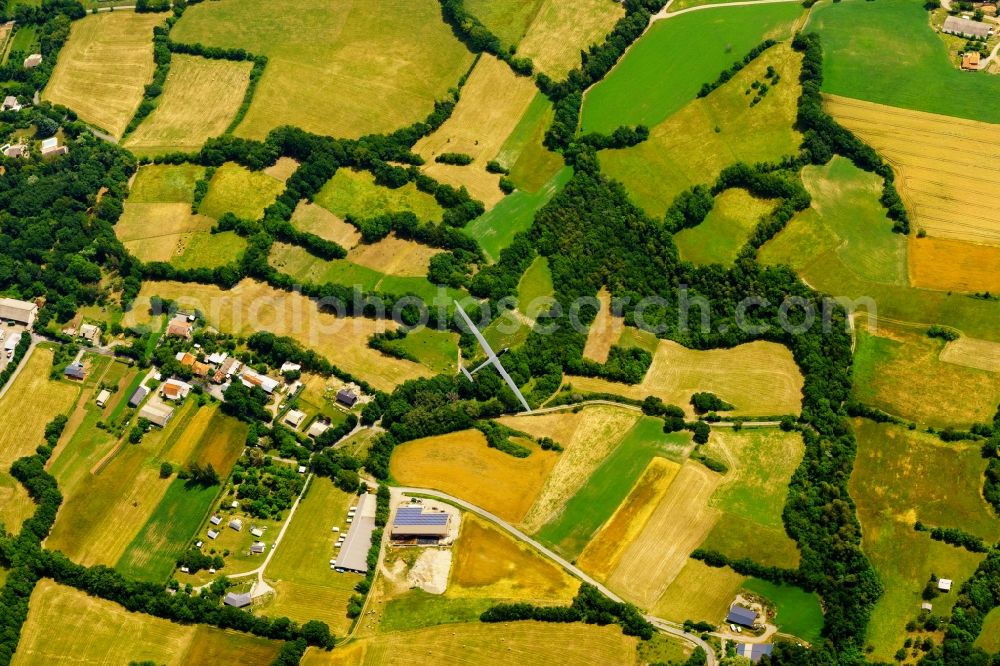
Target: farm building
{"x":156,"y":413}
{"x":217,"y":358}
{"x":90,"y":333}
{"x":353,"y":554}
{"x":10,"y":103}
{"x":754,"y":651}
{"x":926,"y":606}
{"x":102,"y":397}
{"x":257,"y":532}
{"x":953,"y":25}
{"x":21,"y":312}
{"x":970,"y":60}
{"x":257,"y":548}
{"x":174,"y":389}
{"x":317,"y":428}
{"x":137,"y":396}
{"x":200,"y":369}
{"x":295,"y":418}
{"x":415,"y":522}
{"x":215,"y":520}
{"x":179,"y":328}
{"x":50,"y":147}
{"x":346,"y":398}
{"x":236,"y":524}
{"x":237,"y":600}
{"x":289,"y":367}
{"x":251,"y":379}
{"x":15,"y":150}
{"x":944,"y":584}
{"x":213,"y":534}
{"x":11,"y":343}
{"x":186,"y":359}
{"x":228,"y":367}
{"x":741,"y":615}
{"x":75,"y":371}
{"x":32,"y":61}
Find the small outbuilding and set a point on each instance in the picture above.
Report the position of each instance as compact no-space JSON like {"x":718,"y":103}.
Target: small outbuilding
{"x":75,"y":371}
{"x":50,"y":147}
{"x":346,"y":397}
{"x":257,"y":532}
{"x":944,"y":584}
{"x":742,"y":616}
{"x":236,"y":524}
{"x":238,"y":600}
{"x":102,"y":397}
{"x":754,"y":651}
{"x":215,"y":520}
{"x":295,"y":418}
{"x":257,"y":548}
{"x":138,"y":396}
{"x":213,"y":534}
{"x":317,"y":428}
{"x":10,"y":103}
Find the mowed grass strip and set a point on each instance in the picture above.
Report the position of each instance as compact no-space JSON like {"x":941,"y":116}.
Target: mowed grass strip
{"x":677,"y":526}
{"x":658,"y":76}
{"x":337,"y":69}
{"x":489,"y":564}
{"x":236,"y":189}
{"x":507,"y":19}
{"x":461,"y":464}
{"x":953,"y":265}
{"x":933,"y":156}
{"x":492,"y":102}
{"x":901,"y":476}
{"x":95,"y":631}
{"x":898,"y":370}
{"x":103,"y":68}
{"x":588,"y":437}
{"x":252,"y":306}
{"x":694,"y":144}
{"x":797,"y":612}
{"x":719,"y":238}
{"x":305,"y":586}
{"x":923,"y":77}
{"x":759,"y":378}
{"x":602,"y":554}
{"x":560,"y":30}
{"x":199,"y":100}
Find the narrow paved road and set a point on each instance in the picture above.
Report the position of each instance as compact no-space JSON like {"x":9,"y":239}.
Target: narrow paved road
{"x":24,"y":361}
{"x":661,"y":624}
{"x":665,"y":13}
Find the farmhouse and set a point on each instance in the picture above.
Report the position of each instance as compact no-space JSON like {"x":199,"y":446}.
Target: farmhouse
{"x":50,"y":147}
{"x":970,"y":60}
{"x":228,"y":367}
{"x":200,"y":369}
{"x":156,"y":413}
{"x":102,"y":397}
{"x":10,"y":103}
{"x":179,"y":328}
{"x":346,"y":397}
{"x":237,"y":600}
{"x":317,"y":428}
{"x":137,"y":396}
{"x":353,"y":555}
{"x":954,"y":25}
{"x":75,"y":371}
{"x":90,"y":332}
{"x":294,"y":418}
{"x":251,"y":379}
{"x":217,"y":358}
{"x":754,"y":651}
{"x":32,"y":61}
{"x":415,"y":522}
{"x":21,"y":312}
{"x":741,"y":615}
{"x":174,"y":389}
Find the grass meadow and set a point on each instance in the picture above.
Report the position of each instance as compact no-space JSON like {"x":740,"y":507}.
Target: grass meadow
{"x":95,"y":631}
{"x":165,"y":183}
{"x":438,"y":350}
{"x":317,"y":220}
{"x":103,"y":68}
{"x":531,"y":164}
{"x":718,"y":239}
{"x":160,"y":231}
{"x":989,"y":637}
{"x":901,"y":476}
{"x":658,"y":75}
{"x":236,"y":189}
{"x":349,"y":70}
{"x":798,"y":612}
{"x":507,"y":19}
{"x":560,"y":30}
{"x":200,"y":98}
{"x":699,"y":140}
{"x":355,"y":193}
{"x":207,"y":250}
{"x":921,"y":76}
{"x":699,"y":592}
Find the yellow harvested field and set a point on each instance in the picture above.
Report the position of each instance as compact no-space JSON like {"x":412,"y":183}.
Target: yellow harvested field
{"x":395,"y":256}
{"x":972,"y":353}
{"x":699,"y":592}
{"x":562,"y":29}
{"x":282,"y":169}
{"x":253,"y":306}
{"x":588,"y":437}
{"x":95,"y":631}
{"x":104,"y":66}
{"x":602,"y":554}
{"x":200,"y":98}
{"x":351,"y":654}
{"x":461,"y":464}
{"x":948,"y":168}
{"x":318,"y":220}
{"x":604,"y":331}
{"x":503,"y":644}
{"x":159,"y":231}
{"x":491,"y":104}
{"x":490,"y":564}
{"x":758,"y":378}
{"x":953,"y":265}
{"x":677,"y":526}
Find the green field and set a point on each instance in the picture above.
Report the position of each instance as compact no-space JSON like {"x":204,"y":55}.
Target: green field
{"x":438,"y":350}
{"x":153,"y":554}
{"x":899,"y":477}
{"x":920,"y":77}
{"x":25,"y":40}
{"x":724,"y":231}
{"x":165,"y":183}
{"x":348,"y":69}
{"x":531,"y":164}
{"x":206,"y":250}
{"x":609,"y":485}
{"x":496,"y":229}
{"x":417,"y":609}
{"x":355,"y":193}
{"x":989,"y":637}
{"x":535,"y":286}
{"x":236,"y":189}
{"x":658,"y":75}
{"x":507,"y":19}
{"x":798,"y":612}
{"x":696,"y":142}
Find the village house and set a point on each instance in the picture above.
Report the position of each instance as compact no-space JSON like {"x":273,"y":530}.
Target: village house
{"x":50,"y":147}
{"x":318,"y":428}
{"x":236,"y":524}
{"x":251,"y":379}
{"x":33,"y":60}
{"x":226,"y":370}
{"x":346,"y":397}
{"x":970,"y":60}
{"x":14,"y":150}
{"x":156,"y":412}
{"x":174,"y":389}
{"x":75,"y":371}
{"x":294,"y":418}
{"x":10,"y":103}
{"x":179,"y":328}
{"x":90,"y":333}
{"x":102,"y":397}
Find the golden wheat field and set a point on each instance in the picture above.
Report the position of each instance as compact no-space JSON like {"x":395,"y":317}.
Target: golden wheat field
{"x":103,"y":67}
{"x":953,"y":265}
{"x":759,"y":378}
{"x":588,"y":436}
{"x":676,"y":527}
{"x":461,"y":464}
{"x":318,"y":220}
{"x":699,"y":592}
{"x":949,"y":176}
{"x":159,"y":231}
{"x":560,"y":30}
{"x":394,"y":256}
{"x":492,"y":102}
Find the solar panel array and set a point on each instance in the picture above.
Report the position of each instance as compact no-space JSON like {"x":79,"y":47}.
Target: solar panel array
{"x":416,"y":516}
